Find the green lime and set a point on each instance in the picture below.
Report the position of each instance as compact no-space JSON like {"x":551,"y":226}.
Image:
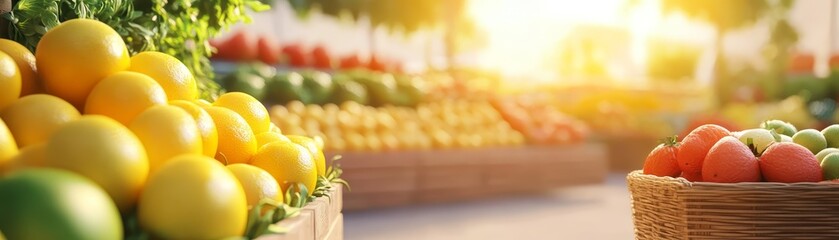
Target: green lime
{"x":780,"y":127}
{"x":286,"y":87}
{"x":319,"y":85}
{"x":810,"y":139}
{"x":248,"y":83}
{"x":56,"y":204}
{"x":823,"y":153}
{"x":761,"y":138}
{"x":830,"y":166}
{"x":831,"y":134}
{"x":348,"y":90}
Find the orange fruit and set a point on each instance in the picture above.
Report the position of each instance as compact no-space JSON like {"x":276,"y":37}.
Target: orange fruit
{"x":168,"y":71}
{"x":248,"y":107}
{"x":9,"y":80}
{"x":789,"y":163}
{"x":33,"y":118}
{"x":25,"y":60}
{"x":730,"y":161}
{"x":166,"y":132}
{"x":236,"y":141}
{"x":124,"y":95}
{"x":288,"y":163}
{"x":206,"y":126}
{"x":693,"y":177}
{"x":696,"y":145}
{"x":662,"y":160}
{"x":74,"y":56}
{"x":258,"y":183}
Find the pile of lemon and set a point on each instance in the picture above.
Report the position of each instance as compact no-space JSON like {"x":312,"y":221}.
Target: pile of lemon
{"x":444,"y":124}
{"x":132,"y":126}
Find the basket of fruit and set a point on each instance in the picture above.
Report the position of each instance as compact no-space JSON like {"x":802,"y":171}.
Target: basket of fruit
{"x":768,"y":183}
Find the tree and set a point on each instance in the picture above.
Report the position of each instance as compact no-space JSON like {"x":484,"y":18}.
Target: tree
{"x":727,"y":16}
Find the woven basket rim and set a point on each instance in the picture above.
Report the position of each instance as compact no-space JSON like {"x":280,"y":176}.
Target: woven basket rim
{"x":638,"y":174}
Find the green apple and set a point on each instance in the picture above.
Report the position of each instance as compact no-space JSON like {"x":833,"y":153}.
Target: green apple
{"x":831,"y":134}
{"x":810,"y":139}
{"x":830,"y":166}
{"x":780,"y":127}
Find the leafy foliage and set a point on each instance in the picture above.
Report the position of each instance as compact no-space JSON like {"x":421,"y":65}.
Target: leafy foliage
{"x":181,"y":28}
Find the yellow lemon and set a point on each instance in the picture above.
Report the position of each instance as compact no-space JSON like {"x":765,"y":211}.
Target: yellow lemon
{"x":104,"y":151}
{"x":206,"y":126}
{"x":258,"y":183}
{"x":29,"y":156}
{"x":236,"y":141}
{"x":74,"y":56}
{"x":168,"y":71}
{"x":9,"y":80}
{"x":193,"y":197}
{"x":8,"y":147}
{"x":248,"y":107}
{"x":124,"y":95}
{"x":269,"y":137}
{"x":311,"y":145}
{"x":25,"y":60}
{"x":288,"y":163}
{"x":33,"y":118}
{"x":166,"y":132}
{"x":275,"y":129}
{"x":202,"y":103}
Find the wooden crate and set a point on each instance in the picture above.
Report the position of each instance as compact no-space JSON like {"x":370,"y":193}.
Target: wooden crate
{"x":415,"y":177}
{"x":320,"y":219}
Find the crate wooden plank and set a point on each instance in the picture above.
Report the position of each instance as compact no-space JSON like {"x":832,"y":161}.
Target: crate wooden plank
{"x":454,"y":174}
{"x":317,"y":220}
{"x":336,"y":232}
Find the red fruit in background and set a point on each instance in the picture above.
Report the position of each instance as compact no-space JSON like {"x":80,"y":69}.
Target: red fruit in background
{"x":662,"y":160}
{"x":269,"y":50}
{"x":730,"y":161}
{"x":375,"y":64}
{"x":294,"y":56}
{"x":321,"y":58}
{"x":788,"y":162}
{"x":693,"y":177}
{"x":350,"y":62}
{"x":241,"y":46}
{"x":802,"y":63}
{"x":695,"y":146}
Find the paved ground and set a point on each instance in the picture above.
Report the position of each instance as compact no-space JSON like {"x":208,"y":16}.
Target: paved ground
{"x":589,"y":213}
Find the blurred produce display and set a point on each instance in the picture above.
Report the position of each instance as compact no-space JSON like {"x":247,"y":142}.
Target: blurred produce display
{"x":445,"y":124}
{"x":540,"y":122}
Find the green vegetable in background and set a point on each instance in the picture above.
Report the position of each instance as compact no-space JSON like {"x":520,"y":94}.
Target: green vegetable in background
{"x":348,"y":90}
{"x":319,"y":85}
{"x":286,"y":87}
{"x":181,"y":28}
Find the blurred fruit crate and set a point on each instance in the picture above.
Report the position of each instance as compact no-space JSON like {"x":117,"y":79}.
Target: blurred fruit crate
{"x":388,"y":179}
{"x":628,"y":153}
{"x":320,"y":219}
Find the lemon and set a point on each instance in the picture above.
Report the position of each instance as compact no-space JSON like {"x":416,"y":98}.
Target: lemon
{"x":193,"y":197}
{"x":104,"y":151}
{"x":761,"y":138}
{"x":206,"y":126}
{"x":236,"y":141}
{"x":248,"y":107}
{"x":288,"y":163}
{"x":74,"y":56}
{"x":8,"y":147}
{"x":25,"y":61}
{"x":33,"y":118}
{"x":124,"y":95}
{"x":29,"y":156}
{"x":9,"y":80}
{"x":166,"y":132}
{"x":269,"y":137}
{"x":257,"y":183}
{"x":202,"y":103}
{"x":168,"y":71}
{"x":273,"y":128}
{"x":312,"y":146}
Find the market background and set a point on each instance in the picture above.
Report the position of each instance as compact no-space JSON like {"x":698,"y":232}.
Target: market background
{"x":529,"y":113}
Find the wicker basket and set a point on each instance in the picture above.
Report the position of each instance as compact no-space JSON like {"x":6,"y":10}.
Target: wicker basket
{"x":674,"y":208}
